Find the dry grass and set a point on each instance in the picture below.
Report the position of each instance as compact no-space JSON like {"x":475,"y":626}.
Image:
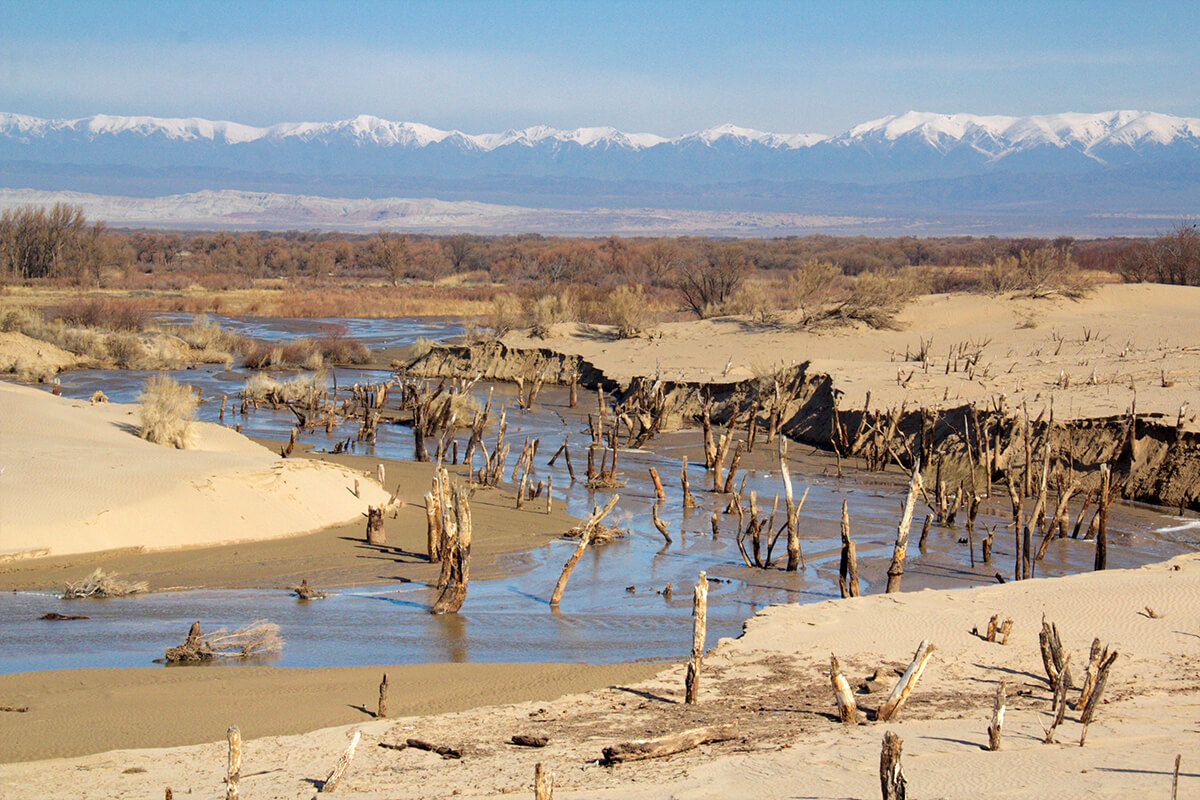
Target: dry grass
{"x":550,"y":310}
{"x":259,"y":638}
{"x":302,"y":390}
{"x":507,"y":313}
{"x":627,"y":308}
{"x":102,"y":584}
{"x":166,"y":414}
{"x":602,"y":534}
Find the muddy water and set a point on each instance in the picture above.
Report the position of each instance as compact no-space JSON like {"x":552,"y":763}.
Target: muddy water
{"x":613,"y":609}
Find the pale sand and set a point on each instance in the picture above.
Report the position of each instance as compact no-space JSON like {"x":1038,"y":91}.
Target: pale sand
{"x":773,"y":681}
{"x":76,"y":478}
{"x":1120,"y":335}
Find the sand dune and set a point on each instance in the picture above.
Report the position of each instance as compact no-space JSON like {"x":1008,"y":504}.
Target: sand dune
{"x":76,"y":478}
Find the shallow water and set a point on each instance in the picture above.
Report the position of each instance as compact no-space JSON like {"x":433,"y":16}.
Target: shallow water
{"x":508,"y":619}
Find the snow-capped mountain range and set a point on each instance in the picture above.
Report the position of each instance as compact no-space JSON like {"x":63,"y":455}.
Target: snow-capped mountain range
{"x":1113,"y":162}
{"x":995,"y":136}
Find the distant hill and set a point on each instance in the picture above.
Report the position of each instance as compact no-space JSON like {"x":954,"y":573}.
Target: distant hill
{"x":1110,"y":172}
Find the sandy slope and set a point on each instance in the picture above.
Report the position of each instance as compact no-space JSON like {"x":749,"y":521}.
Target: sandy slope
{"x":1119,"y":336}
{"x":76,"y":478}
{"x":773,"y":682}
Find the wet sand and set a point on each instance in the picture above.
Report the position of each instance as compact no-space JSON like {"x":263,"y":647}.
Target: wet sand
{"x":77,"y":712}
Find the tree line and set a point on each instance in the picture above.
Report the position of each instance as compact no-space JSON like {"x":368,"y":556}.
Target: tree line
{"x":60,"y":244}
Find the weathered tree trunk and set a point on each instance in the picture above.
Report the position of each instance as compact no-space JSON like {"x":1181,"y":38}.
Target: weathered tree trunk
{"x":891,"y":775}
{"x":584,"y":540}
{"x":842,"y":694}
{"x":375,"y":533}
{"x":659,"y":524}
{"x":793,"y":533}
{"x":904,"y":686}
{"x":233,"y":772}
{"x":433,"y":522}
{"x":455,"y":593}
{"x":995,"y":729}
{"x":343,"y":763}
{"x":543,"y":783}
{"x":658,"y":487}
{"x":848,"y":568}
{"x":1101,"y":561}
{"x":1089,"y":708}
{"x":699,"y":628}
{"x":381,"y":712}
{"x":688,"y":500}
{"x":896,"y":569}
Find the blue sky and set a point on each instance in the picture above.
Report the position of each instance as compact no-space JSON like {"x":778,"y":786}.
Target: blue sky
{"x":662,"y":67}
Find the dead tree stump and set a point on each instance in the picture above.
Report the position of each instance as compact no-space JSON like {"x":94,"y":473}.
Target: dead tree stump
{"x":842,"y":694}
{"x":891,"y":775}
{"x":375,"y":533}
{"x":699,"y":628}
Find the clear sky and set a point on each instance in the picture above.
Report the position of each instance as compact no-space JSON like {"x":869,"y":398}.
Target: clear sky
{"x":662,"y":67}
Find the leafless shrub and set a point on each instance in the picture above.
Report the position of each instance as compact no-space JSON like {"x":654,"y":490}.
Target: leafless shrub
{"x":1172,"y":258}
{"x":167,"y":413}
{"x":102,"y":584}
{"x":103,"y":312}
{"x":808,"y":287}
{"x":1039,"y":272}
{"x":876,"y":300}
{"x":707,"y":279}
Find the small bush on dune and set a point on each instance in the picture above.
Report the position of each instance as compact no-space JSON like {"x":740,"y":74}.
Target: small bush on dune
{"x":808,"y":287}
{"x":167,"y":413}
{"x":876,"y":300}
{"x":627,"y":309}
{"x":1035,"y":273}
{"x":549,"y":311}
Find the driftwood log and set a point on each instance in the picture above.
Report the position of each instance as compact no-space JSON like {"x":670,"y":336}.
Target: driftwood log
{"x":343,"y":763}
{"x":526,"y":740}
{"x":382,"y":708}
{"x":668,"y":745}
{"x":442,"y":750}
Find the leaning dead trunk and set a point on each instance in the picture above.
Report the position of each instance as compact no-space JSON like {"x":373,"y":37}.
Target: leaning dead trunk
{"x":904,"y":686}
{"x":896,"y":569}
